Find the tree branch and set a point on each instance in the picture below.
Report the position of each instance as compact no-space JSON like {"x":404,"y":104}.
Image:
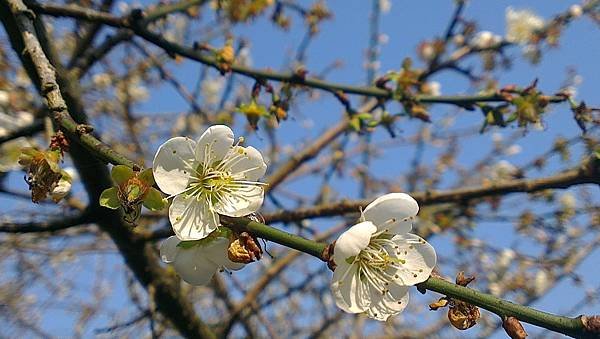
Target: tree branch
{"x":50,"y":226}
{"x":18,"y":20}
{"x":137,"y":25}
{"x":587,"y":173}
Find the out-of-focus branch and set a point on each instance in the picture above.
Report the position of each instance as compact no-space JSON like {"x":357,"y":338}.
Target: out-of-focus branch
{"x":50,"y":226}
{"x":27,"y":131}
{"x":570,"y":326}
{"x":306,"y":154}
{"x":137,"y":25}
{"x":267,"y":277}
{"x":587,"y":173}
{"x":18,"y":20}
{"x":88,"y":58}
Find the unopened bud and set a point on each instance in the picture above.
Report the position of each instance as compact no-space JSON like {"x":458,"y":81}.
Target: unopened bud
{"x":513,"y":328}
{"x":462,"y":315}
{"x":244,"y":248}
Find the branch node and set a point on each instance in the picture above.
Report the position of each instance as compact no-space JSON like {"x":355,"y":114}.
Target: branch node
{"x":591,"y":323}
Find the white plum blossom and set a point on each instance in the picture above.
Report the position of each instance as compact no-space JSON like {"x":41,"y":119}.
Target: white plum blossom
{"x":211,"y":90}
{"x":435,"y":88}
{"x":197,"y":263}
{"x":485,"y":39}
{"x":513,"y":150}
{"x":575,"y":10}
{"x":503,"y":170}
{"x":64,"y":184}
{"x":385,"y":6}
{"x":568,"y":201}
{"x":4,"y":98}
{"x":521,"y":24}
{"x":377,"y":259}
{"x":208,"y":177}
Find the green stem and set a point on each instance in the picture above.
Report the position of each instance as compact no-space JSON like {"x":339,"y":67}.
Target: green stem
{"x":565,"y":325}
{"x":273,"y":234}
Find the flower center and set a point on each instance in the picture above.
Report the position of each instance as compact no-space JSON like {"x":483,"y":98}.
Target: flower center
{"x":381,"y":262}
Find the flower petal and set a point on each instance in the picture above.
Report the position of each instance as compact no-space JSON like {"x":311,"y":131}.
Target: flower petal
{"x":419,"y":257}
{"x":169,"y":249}
{"x":216,"y":251}
{"x":218,"y":139}
{"x":347,"y":289}
{"x":400,"y":207}
{"x":251,"y":166}
{"x":173,"y":164}
{"x":193,"y":267}
{"x":354,"y":240}
{"x":191,"y":218}
{"x":392,"y":303}
{"x":241,"y":201}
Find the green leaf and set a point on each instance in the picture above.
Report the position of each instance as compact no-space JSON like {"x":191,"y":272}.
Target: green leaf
{"x":147,"y":176}
{"x":110,"y":199}
{"x":154,"y":200}
{"x":121,"y":173}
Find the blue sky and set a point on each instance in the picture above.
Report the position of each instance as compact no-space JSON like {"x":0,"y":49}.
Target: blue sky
{"x":407,"y":24}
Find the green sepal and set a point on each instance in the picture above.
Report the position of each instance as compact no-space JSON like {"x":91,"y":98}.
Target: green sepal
{"x":190,"y":243}
{"x":110,"y":199}
{"x":350,"y":260}
{"x":121,"y":173}
{"x":154,"y":200}
{"x":147,"y":176}
{"x":220,"y":232}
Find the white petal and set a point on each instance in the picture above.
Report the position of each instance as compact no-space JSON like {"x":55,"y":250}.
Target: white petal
{"x":192,"y":219}
{"x":216,"y":251}
{"x":419,"y":257}
{"x":392,"y":303}
{"x":218,"y":139}
{"x":400,"y":207}
{"x":347,"y":289}
{"x":169,"y":249}
{"x":193,"y":267}
{"x":354,"y":240}
{"x":173,"y":163}
{"x":250,"y":167}
{"x":243,"y":201}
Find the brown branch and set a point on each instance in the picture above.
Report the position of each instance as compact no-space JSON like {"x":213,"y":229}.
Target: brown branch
{"x":305,"y":155}
{"x":27,"y":131}
{"x":136,"y":23}
{"x":19,"y":22}
{"x":49,"y":226}
{"x":587,"y":173}
{"x":267,"y":277}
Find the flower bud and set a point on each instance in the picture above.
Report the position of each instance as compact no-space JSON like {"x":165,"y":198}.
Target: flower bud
{"x":462,"y":315}
{"x":513,"y":328}
{"x":43,"y":172}
{"x":244,"y":248}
